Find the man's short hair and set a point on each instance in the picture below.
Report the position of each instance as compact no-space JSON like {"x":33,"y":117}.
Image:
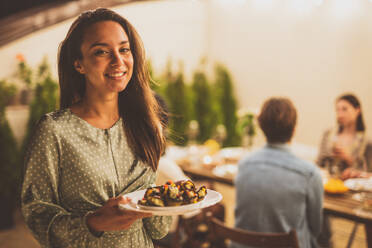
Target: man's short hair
{"x":278,"y":119}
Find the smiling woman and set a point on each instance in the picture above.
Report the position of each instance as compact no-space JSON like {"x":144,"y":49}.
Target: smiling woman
{"x":105,"y":141}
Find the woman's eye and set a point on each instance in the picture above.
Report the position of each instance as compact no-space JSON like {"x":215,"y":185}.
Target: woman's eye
{"x":124,"y":50}
{"x":100,"y":53}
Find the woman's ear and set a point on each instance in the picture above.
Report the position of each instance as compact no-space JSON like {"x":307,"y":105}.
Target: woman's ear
{"x":78,"y":67}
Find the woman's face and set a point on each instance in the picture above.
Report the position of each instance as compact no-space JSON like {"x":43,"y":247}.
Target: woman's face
{"x":346,"y":113}
{"x":107,"y":61}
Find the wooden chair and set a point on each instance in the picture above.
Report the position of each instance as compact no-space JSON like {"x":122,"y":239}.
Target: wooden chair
{"x":219,"y":231}
{"x":192,"y":231}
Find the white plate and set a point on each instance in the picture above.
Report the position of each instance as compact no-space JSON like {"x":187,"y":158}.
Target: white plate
{"x":225,"y":170}
{"x":359,"y":184}
{"x":210,"y":199}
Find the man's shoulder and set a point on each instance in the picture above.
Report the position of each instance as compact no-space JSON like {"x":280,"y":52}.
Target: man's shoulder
{"x":307,"y":166}
{"x":281,"y":159}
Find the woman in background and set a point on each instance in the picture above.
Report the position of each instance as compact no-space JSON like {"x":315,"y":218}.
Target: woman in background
{"x":345,"y":148}
{"x":105,"y":141}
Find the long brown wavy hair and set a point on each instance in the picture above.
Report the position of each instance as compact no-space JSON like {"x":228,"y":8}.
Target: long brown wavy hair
{"x":137,"y":105}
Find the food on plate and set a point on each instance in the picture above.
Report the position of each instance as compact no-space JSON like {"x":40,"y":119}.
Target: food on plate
{"x":335,"y":186}
{"x":212,"y":145}
{"x":173,"y":194}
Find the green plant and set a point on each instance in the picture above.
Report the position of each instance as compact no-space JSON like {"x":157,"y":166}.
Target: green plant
{"x":45,"y":95}
{"x":247,"y":128}
{"x":203,"y":111}
{"x":178,"y":99}
{"x":227,"y":105}
{"x":24,"y":71}
{"x":10,"y":169}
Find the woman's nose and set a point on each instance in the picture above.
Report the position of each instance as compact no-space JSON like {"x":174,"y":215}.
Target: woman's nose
{"x":116,"y":59}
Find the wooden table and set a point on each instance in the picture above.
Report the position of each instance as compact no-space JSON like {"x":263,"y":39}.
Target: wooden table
{"x":343,"y":206}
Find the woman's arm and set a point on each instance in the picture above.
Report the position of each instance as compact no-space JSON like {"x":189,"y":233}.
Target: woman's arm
{"x":51,"y":224}
{"x":323,"y":152}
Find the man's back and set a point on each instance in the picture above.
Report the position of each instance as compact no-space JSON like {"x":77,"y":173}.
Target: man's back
{"x":277,"y":192}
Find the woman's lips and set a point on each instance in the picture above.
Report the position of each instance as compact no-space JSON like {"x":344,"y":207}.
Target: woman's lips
{"x":116,"y":75}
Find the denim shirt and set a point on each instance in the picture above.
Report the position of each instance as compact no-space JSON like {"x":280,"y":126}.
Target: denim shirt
{"x":277,"y":192}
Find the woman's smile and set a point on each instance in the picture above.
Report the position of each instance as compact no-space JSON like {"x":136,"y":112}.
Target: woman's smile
{"x":116,"y":75}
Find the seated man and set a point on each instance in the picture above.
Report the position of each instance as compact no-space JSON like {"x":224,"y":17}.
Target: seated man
{"x":276,"y":191}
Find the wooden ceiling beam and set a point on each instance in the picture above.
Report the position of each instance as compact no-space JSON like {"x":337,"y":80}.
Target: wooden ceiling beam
{"x":26,"y":22}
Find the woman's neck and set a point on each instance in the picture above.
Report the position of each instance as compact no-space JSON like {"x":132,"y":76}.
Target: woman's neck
{"x":349,"y":129}
{"x":101,"y":113}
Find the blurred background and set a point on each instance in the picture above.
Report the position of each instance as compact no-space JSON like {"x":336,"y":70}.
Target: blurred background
{"x":214,"y":61}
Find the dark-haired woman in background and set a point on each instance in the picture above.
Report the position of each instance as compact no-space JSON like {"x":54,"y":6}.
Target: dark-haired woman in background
{"x":105,"y":141}
{"x":345,"y":148}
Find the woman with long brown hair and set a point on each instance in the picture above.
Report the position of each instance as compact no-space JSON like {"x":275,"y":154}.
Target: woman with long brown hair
{"x":105,"y":141}
{"x":345,"y":149}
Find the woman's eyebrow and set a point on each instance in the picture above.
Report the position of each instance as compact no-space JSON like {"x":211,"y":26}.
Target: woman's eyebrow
{"x":105,"y":44}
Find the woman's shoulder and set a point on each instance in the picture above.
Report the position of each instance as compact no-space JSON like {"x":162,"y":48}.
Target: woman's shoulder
{"x":54,"y":119}
{"x":329,"y":131}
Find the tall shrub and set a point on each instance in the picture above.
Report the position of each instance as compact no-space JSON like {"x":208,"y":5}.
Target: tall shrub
{"x":203,"y":112}
{"x":178,"y":99}
{"x":227,"y":105}
{"x":10,"y":169}
{"x":45,"y":97}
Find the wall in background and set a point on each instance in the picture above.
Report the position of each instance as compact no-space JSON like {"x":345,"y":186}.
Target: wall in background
{"x":310,"y":51}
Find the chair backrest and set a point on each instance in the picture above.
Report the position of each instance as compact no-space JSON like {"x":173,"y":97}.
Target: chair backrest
{"x":218,"y":230}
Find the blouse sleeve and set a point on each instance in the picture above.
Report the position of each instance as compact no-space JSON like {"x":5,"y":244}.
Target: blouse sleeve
{"x":368,"y":156}
{"x":323,"y":151}
{"x":50,"y":223}
{"x":157,"y":226}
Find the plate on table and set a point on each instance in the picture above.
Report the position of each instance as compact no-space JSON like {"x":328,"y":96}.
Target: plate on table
{"x":212,"y":198}
{"x":359,"y":184}
{"x":225,"y":170}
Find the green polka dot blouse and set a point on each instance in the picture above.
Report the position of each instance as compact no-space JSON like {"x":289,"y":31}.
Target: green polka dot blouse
{"x":72,"y":168}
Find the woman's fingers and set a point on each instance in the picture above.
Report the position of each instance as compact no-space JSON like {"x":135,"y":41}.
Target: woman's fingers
{"x":134,"y":214}
{"x":123,"y":200}
{"x":110,"y":217}
{"x":114,"y":201}
{"x":131,"y":214}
